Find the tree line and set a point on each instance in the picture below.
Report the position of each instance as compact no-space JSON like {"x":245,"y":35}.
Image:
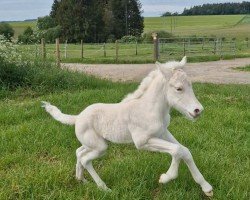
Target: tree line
{"x":215,"y":9}
{"x":93,"y":20}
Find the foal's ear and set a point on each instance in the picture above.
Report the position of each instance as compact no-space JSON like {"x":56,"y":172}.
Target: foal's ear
{"x":183,"y":61}
{"x":160,"y":67}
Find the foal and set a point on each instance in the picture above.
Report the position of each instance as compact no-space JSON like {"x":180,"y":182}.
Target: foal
{"x":141,"y":118}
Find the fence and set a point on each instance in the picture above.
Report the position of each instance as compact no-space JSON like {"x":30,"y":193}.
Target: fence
{"x":160,"y":49}
{"x":176,"y":47}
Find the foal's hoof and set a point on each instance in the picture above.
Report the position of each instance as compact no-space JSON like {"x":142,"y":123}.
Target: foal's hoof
{"x":209,"y":194}
{"x":81,"y":179}
{"x":105,"y":188}
{"x":164,"y":178}
{"x":207,"y":189}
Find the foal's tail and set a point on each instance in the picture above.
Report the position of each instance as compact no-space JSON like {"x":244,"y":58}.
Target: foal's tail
{"x":58,"y":115}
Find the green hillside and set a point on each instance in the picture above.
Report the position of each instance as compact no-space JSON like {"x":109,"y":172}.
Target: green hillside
{"x":19,"y":27}
{"x":219,"y":25}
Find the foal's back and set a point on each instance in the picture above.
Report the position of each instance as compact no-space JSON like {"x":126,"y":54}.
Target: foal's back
{"x":109,"y":121}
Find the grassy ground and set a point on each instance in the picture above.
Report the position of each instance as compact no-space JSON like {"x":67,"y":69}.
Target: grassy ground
{"x":246,"y":68}
{"x":94,"y":53}
{"x":38,"y":153}
{"x":228,"y":26}
{"x":216,"y":25}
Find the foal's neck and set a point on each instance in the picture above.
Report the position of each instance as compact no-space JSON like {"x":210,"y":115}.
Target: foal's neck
{"x":154,"y":98}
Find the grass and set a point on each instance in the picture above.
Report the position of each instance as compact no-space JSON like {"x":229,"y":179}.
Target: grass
{"x":228,"y":26}
{"x":245,"y":68}
{"x":94,"y":53}
{"x":38,"y":153}
{"x":19,"y":27}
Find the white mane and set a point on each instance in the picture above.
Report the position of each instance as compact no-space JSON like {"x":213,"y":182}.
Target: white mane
{"x":146,"y":82}
{"x":144,"y":85}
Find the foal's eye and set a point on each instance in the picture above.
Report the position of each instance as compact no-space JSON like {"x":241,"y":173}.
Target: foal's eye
{"x":179,"y":89}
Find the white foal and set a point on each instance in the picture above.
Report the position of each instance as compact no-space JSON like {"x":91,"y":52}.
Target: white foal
{"x":142,"y":118}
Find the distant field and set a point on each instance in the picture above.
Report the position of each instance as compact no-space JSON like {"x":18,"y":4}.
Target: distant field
{"x":217,"y":25}
{"x":19,"y":27}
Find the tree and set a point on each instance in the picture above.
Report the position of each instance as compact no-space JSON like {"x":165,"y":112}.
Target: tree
{"x":97,"y":20}
{"x":46,"y":22}
{"x":127,"y":18}
{"x":6,"y":30}
{"x":27,"y":37}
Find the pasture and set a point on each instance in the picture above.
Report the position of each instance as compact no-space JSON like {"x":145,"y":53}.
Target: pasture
{"x":222,"y":26}
{"x":141,"y":52}
{"x":38,"y":153}
{"x":228,"y":26}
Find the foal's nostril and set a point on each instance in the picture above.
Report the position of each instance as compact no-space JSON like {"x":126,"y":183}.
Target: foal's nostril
{"x":196,"y":111}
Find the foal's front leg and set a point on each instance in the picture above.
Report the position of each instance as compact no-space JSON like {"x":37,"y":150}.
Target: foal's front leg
{"x":188,"y":159}
{"x":178,"y":152}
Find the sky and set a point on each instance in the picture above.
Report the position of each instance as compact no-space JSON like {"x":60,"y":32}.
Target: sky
{"x":18,"y":10}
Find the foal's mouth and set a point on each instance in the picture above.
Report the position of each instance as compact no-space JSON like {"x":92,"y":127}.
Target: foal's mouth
{"x":193,"y":116}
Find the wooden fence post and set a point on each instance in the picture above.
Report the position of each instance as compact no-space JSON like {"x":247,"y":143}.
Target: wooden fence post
{"x":156,"y":46}
{"x":136,"y":48}
{"x":36,"y":49}
{"x":215,"y":46}
{"x":65,"y":48}
{"x":43,"y":48}
{"x":58,"y":61}
{"x":184,"y":47}
{"x":104,"y":49}
{"x":203,"y":43}
{"x":82,"y":49}
{"x":116,"y":50}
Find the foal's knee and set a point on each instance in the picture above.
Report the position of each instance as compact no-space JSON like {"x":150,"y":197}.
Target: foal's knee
{"x":182,"y":152}
{"x":186,"y":154}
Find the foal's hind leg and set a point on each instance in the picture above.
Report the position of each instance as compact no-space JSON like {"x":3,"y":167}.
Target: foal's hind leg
{"x":96,"y":147}
{"x":79,"y":168}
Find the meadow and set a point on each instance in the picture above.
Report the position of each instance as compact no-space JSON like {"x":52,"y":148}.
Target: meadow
{"x":222,"y":26}
{"x":228,"y":26}
{"x":38,"y":153}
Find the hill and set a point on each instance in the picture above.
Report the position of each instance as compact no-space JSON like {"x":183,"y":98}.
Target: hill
{"x":205,"y":25}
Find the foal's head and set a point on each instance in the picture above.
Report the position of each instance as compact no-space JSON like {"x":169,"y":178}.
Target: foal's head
{"x":179,"y":93}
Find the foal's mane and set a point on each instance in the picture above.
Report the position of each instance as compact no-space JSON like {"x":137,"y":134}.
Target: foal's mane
{"x":144,"y":85}
{"x":147,"y":81}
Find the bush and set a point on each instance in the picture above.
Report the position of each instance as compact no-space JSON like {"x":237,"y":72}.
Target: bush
{"x":128,"y":39}
{"x":6,"y":30}
{"x":27,"y":37}
{"x":8,"y":51}
{"x":52,"y":33}
{"x":147,"y":37}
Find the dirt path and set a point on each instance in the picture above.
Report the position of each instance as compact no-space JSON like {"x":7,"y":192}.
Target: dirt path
{"x":210,"y":72}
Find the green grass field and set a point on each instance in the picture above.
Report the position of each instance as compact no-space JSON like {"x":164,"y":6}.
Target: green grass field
{"x":217,"y":25}
{"x":228,"y":26}
{"x":38,"y":153}
{"x":246,"y":68}
{"x":19,"y":27}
